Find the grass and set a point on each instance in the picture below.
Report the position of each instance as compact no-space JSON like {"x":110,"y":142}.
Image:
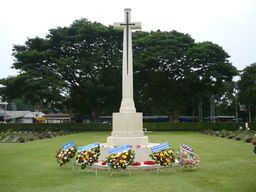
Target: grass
{"x":226,"y":165}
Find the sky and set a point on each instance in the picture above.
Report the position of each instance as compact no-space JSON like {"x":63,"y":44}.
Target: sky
{"x":228,"y":23}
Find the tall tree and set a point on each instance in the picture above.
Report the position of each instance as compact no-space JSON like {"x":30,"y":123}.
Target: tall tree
{"x":78,"y":69}
{"x":247,"y":88}
{"x":211,"y":74}
{"x":176,"y":74}
{"x":159,"y":64}
{"x":74,"y":68}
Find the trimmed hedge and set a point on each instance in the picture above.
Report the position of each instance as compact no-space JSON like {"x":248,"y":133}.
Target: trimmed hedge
{"x":161,"y":126}
{"x":56,"y":127}
{"x":196,"y":126}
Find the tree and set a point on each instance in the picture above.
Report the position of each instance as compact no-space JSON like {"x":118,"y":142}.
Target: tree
{"x":174,"y":73}
{"x":159,"y":59}
{"x":247,"y":88}
{"x":74,"y":68}
{"x":78,"y":69}
{"x":211,"y":73}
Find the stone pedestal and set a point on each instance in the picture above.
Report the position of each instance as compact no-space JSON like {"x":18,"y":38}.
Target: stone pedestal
{"x":128,"y":129}
{"x":142,"y":152}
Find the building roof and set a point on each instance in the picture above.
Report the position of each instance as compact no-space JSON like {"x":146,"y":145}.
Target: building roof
{"x":57,"y":115}
{"x":23,"y":114}
{"x":38,"y":114}
{"x":18,"y":114}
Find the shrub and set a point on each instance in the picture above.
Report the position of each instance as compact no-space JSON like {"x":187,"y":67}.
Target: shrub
{"x":48,"y":134}
{"x":21,"y":139}
{"x":31,"y":138}
{"x":41,"y":136}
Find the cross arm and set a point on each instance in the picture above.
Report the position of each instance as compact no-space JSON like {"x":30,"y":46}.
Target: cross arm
{"x":135,"y":25}
{"x":118,"y":26}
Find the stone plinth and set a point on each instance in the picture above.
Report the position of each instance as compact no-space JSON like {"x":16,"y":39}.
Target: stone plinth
{"x":141,"y":152}
{"x":127,"y":129}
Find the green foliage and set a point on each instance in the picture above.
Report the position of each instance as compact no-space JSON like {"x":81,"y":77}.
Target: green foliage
{"x":247,"y":87}
{"x":159,"y":59}
{"x":78,"y":69}
{"x":68,"y":69}
{"x":21,"y":138}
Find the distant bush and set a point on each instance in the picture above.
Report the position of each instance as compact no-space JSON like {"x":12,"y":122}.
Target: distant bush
{"x":21,"y":139}
{"x":41,"y":136}
{"x":31,"y":138}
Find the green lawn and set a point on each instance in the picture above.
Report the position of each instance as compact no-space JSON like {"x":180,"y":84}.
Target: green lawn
{"x":226,"y":165}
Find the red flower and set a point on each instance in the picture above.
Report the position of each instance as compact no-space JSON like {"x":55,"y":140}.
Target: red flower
{"x":149,"y":162}
{"x":136,"y":164}
{"x":104,"y":163}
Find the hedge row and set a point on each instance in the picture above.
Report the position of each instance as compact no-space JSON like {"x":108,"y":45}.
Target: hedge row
{"x":163,"y":126}
{"x":56,"y":127}
{"x":196,"y":126}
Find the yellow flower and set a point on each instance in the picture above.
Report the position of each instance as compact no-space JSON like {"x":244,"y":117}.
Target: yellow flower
{"x":124,"y":156}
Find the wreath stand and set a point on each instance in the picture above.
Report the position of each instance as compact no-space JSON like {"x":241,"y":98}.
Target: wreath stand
{"x":120,"y":170}
{"x":88,"y":169}
{"x":169,"y":168}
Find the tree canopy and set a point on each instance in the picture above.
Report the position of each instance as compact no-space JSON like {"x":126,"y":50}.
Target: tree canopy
{"x":247,"y":88}
{"x":78,"y":69}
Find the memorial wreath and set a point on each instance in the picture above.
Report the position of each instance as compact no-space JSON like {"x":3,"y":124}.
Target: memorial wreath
{"x":120,"y":160}
{"x":187,"y":158}
{"x":88,"y":157}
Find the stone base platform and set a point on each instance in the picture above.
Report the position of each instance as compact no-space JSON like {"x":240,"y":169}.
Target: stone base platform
{"x":142,"y":152}
{"x":128,"y":129}
{"x":142,"y":167}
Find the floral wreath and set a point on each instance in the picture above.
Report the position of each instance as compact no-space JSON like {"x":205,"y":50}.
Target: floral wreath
{"x":121,"y":160}
{"x":88,"y":157}
{"x":65,"y":155}
{"x":164,"y":157}
{"x":187,"y":158}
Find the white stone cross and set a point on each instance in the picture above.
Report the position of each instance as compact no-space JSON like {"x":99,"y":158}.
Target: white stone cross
{"x":127,"y":104}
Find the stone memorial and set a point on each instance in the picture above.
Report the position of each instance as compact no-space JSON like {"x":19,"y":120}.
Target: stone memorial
{"x":128,"y":124}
